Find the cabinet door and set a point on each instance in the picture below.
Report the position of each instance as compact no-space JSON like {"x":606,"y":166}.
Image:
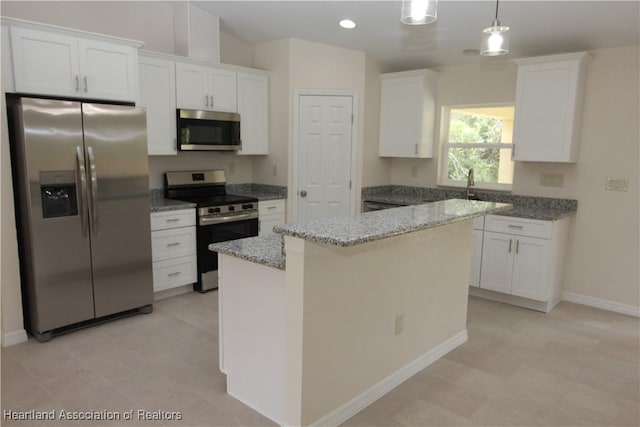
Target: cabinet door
{"x":45,"y":63}
{"x":476,"y":258}
{"x":497,"y":262}
{"x":222,"y":90}
{"x":108,"y":70}
{"x":401,"y":116}
{"x":192,"y":83}
{"x":530,"y":268}
{"x":253,"y":106}
{"x":158,"y":96}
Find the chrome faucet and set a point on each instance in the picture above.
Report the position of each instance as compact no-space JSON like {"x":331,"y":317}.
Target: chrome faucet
{"x":470,"y":185}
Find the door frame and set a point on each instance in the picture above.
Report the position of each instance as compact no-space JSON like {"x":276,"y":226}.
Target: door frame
{"x":295,"y":143}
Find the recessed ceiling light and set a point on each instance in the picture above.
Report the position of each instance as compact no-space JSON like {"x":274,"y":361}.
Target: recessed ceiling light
{"x":347,"y":23}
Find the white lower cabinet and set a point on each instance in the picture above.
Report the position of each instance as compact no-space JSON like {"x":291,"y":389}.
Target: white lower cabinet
{"x":523,"y":258}
{"x":271,"y":213}
{"x":476,"y":251}
{"x":173,"y":247}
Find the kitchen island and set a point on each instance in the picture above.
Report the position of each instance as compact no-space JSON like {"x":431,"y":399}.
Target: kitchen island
{"x":359,"y":305}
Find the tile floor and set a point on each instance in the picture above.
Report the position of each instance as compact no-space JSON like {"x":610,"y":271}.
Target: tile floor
{"x":573,"y":366}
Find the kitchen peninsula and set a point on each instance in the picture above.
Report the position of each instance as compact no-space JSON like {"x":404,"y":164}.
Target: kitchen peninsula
{"x":359,"y":305}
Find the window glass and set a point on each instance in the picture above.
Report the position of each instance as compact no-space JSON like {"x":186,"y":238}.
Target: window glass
{"x":478,"y":138}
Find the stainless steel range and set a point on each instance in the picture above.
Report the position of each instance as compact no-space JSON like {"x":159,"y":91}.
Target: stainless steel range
{"x":221,"y":216}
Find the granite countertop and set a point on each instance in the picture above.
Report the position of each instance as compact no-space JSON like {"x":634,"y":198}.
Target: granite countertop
{"x":160,"y":204}
{"x":529,"y":207}
{"x":259,"y":191}
{"x":267,"y":250}
{"x":372,"y":226}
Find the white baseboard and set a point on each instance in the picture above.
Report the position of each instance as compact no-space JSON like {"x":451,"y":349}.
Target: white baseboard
{"x":15,"y":337}
{"x":604,"y":304}
{"x":358,"y":403}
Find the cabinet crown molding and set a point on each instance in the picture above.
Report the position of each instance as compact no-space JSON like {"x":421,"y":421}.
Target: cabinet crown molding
{"x":577,"y":56}
{"x":15,"y":22}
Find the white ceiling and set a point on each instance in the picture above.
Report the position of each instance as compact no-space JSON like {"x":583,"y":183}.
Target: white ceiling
{"x":537,"y":27}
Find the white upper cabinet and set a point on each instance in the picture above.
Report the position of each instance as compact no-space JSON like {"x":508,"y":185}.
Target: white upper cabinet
{"x":253,"y":106}
{"x":548,"y":110}
{"x":158,"y":96}
{"x":205,"y":88}
{"x":60,"y":64}
{"x":407,"y":114}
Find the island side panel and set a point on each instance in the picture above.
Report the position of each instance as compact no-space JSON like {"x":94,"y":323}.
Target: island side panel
{"x":252,"y":334}
{"x":351,"y":298}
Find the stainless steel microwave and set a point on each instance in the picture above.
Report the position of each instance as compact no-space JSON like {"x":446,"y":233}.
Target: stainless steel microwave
{"x":208,"y":130}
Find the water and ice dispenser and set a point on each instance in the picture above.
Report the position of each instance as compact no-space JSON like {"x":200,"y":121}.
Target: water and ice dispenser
{"x":58,"y":193}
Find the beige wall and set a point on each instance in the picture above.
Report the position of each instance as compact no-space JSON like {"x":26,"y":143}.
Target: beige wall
{"x":603,"y":249}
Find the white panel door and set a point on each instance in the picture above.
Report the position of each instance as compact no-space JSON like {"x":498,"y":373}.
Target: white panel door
{"x":108,"y":70}
{"x":497,"y":262}
{"x":530,"y":268}
{"x":45,"y":63}
{"x":324,"y":156}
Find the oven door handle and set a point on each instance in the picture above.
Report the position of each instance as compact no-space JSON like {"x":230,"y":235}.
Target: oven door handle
{"x":212,"y":220}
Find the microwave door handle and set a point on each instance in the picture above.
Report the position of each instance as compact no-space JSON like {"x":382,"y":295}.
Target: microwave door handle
{"x":94,"y":190}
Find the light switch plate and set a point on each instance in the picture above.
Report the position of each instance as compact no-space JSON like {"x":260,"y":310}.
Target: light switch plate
{"x":617,"y":184}
{"x":551,"y":180}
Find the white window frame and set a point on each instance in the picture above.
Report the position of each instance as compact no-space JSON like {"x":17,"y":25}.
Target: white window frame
{"x":443,"y":180}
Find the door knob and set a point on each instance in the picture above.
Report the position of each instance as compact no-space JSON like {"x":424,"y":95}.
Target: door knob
{"x":303,"y":193}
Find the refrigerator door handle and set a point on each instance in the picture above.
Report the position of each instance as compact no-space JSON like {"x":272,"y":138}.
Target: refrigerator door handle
{"x":93,"y":209}
{"x":82,"y":199}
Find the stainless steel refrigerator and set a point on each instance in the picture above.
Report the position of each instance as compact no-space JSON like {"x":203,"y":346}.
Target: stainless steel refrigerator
{"x":82,"y":207}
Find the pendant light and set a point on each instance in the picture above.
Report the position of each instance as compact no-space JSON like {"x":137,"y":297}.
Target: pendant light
{"x":419,"y":12}
{"x":495,"y":39}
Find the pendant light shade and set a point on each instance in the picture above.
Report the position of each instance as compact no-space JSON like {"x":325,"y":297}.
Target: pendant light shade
{"x":495,"y":39}
{"x":419,"y":12}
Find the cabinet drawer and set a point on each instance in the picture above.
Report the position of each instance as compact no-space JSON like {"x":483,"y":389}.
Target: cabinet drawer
{"x":518,"y":226}
{"x":269,"y":207}
{"x":173,"y":243}
{"x":173,"y":219}
{"x":174,"y":272}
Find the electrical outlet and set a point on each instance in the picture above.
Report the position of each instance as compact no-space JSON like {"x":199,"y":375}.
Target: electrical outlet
{"x":617,"y":184}
{"x":551,"y":180}
{"x":414,"y":171}
{"x":399,"y":324}
{"x":232,"y":168}
{"x":275,"y":169}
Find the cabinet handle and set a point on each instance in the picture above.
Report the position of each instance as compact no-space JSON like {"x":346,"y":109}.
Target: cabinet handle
{"x":517,"y":246}
{"x":517,"y":227}
{"x":173,"y":244}
{"x":416,"y":148}
{"x":175,"y":273}
{"x":510,"y":241}
{"x":211,"y":101}
{"x":86,"y":85}
{"x":77,"y":83}
{"x":206,"y":100}
{"x":173,"y":219}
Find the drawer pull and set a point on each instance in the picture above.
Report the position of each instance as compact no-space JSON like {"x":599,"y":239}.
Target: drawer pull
{"x":173,"y":219}
{"x":517,"y":227}
{"x":175,"y":273}
{"x":173,"y":244}
{"x":271,"y":207}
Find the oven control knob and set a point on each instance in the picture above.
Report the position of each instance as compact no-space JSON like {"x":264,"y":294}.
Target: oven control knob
{"x":232,"y":208}
{"x":213,"y":210}
{"x":247,"y":206}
